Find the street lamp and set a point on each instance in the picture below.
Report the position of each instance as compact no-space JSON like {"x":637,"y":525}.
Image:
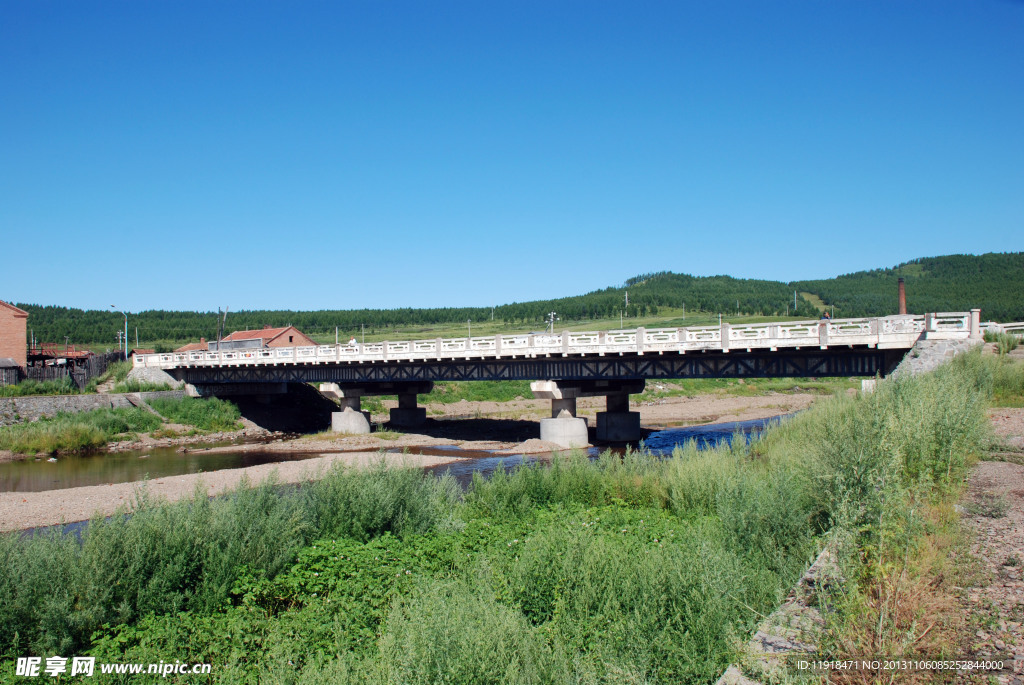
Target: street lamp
{"x":114,"y":307}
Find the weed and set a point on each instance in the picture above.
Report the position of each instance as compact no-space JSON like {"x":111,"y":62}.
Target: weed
{"x":989,"y":505}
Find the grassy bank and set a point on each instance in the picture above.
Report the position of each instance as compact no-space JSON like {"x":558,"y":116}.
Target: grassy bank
{"x":90,"y":430}
{"x":27,"y":388}
{"x":211,"y":413}
{"x":626,"y":569}
{"x":78,"y":432}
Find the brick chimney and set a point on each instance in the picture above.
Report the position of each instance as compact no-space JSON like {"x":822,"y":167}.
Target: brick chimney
{"x":903,"y":296}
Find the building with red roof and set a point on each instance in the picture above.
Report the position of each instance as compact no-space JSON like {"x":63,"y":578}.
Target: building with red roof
{"x":289,"y":336}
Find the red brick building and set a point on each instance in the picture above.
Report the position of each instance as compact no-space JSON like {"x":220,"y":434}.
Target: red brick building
{"x":289,"y":336}
{"x":13,"y":334}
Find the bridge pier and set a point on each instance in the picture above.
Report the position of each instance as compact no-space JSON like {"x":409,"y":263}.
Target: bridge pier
{"x":351,"y":419}
{"x":407,"y":414}
{"x":618,"y":423}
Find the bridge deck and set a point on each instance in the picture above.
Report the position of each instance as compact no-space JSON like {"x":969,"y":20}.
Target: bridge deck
{"x":440,"y":358}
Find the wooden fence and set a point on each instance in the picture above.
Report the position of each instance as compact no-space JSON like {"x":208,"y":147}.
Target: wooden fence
{"x":80,"y":374}
{"x":10,"y":376}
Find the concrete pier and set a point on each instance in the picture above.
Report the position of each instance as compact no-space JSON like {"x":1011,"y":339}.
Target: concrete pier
{"x":618,"y":424}
{"x":407,"y":414}
{"x":350,"y":421}
{"x":565,"y":430}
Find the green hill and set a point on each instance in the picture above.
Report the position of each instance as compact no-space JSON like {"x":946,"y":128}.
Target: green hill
{"x":993,"y":282}
{"x":952,"y":283}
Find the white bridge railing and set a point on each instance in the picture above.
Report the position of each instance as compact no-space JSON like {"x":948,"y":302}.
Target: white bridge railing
{"x":886,"y":332}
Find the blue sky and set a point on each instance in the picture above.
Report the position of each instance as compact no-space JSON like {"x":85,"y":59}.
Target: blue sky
{"x":336,"y":155}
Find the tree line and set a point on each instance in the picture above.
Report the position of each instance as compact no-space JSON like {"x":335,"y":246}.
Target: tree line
{"x":952,"y":283}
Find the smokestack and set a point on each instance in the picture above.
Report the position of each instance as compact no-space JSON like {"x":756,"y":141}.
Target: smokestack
{"x":903,"y":296}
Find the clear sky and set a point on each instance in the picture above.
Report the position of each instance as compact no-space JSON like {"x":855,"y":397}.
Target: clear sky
{"x":337,"y":155}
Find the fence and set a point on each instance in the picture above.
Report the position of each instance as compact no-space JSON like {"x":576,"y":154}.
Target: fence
{"x":10,"y":376}
{"x":80,"y":374}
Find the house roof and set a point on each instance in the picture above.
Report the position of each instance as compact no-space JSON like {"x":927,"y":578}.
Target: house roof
{"x":193,"y":347}
{"x":8,"y":363}
{"x":259,"y":334}
{"x":17,"y":312}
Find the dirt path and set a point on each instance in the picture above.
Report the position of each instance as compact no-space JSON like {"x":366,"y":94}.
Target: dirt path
{"x":993,"y":509}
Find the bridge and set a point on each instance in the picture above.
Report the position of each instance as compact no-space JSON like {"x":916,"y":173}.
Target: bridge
{"x":567,"y":365}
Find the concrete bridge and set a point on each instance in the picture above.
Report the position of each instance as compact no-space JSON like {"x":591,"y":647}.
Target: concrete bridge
{"x":567,"y":366}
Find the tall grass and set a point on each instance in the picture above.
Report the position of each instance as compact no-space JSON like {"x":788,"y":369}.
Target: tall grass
{"x":1005,"y":342}
{"x":64,"y":386}
{"x":165,"y":558}
{"x":135,"y":385}
{"x":76,"y":432}
{"x":209,"y":413}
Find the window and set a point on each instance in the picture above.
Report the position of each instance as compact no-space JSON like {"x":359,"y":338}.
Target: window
{"x":290,"y":338}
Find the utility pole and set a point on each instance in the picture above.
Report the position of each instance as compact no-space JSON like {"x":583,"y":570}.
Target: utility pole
{"x":684,"y":311}
{"x":335,"y":335}
{"x":125,"y":331}
{"x":794,"y":302}
{"x":552,"y":318}
{"x":136,"y":336}
{"x":362,"y":327}
{"x":469,"y":327}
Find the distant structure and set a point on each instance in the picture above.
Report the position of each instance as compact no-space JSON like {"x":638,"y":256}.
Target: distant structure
{"x":261,"y":338}
{"x":13,"y":335}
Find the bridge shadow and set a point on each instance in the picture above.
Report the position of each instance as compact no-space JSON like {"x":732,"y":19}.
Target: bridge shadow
{"x":498,"y":430}
{"x":301,"y":410}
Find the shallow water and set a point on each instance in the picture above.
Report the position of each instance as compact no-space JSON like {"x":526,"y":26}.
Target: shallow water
{"x":37,"y":475}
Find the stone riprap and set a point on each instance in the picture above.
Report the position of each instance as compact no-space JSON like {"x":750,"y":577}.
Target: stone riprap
{"x":153,"y":375}
{"x":927,"y":355}
{"x":793,"y":629}
{"x":16,"y":409}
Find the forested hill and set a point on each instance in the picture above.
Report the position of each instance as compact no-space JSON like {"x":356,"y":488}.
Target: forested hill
{"x":954,"y":283}
{"x":994,"y":282}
